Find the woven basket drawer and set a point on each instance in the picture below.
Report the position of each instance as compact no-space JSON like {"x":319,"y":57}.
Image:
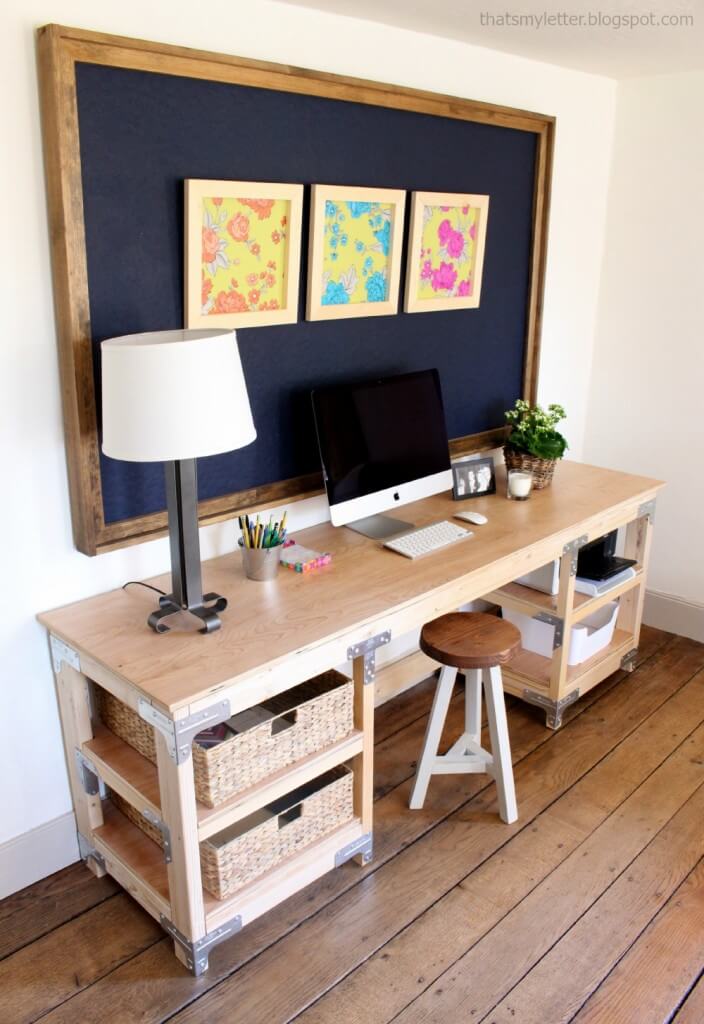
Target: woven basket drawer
{"x":297,"y":722}
{"x":240,"y":854}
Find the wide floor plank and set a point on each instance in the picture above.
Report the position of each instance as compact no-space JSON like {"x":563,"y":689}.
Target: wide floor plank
{"x":692,"y":1010}
{"x":657,"y":972}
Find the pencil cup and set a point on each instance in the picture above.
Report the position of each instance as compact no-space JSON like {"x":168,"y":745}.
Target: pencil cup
{"x":261,"y":563}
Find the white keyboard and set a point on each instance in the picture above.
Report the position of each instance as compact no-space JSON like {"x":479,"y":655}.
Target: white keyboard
{"x":427,"y":539}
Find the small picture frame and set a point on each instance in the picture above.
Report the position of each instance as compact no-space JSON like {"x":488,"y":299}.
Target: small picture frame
{"x":445,"y":251}
{"x":473,"y":478}
{"x":243,"y":253}
{"x":356,"y":236}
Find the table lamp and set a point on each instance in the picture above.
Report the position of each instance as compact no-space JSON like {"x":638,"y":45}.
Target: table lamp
{"x":171,"y":397}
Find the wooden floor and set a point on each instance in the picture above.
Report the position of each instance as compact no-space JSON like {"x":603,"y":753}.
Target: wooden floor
{"x":590,"y":908}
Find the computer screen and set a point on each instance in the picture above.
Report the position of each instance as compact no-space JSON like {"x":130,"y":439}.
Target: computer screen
{"x":382,"y":442}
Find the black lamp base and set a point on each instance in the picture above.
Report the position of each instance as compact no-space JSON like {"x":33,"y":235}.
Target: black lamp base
{"x":207,"y":612}
{"x":186,"y":588}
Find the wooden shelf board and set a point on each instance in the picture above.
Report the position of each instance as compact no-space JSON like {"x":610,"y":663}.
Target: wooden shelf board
{"x":133,"y":859}
{"x":534,"y":669}
{"x":122,"y":768}
{"x":135,"y":778}
{"x":282,"y":881}
{"x":534,"y":601}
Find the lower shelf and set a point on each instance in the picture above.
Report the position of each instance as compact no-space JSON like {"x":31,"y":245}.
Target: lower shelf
{"x":138,"y":865}
{"x":533,"y":670}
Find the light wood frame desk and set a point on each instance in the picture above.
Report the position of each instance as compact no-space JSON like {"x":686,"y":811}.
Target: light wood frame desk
{"x":274,"y":636}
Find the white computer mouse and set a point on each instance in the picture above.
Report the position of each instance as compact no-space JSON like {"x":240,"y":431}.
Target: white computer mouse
{"x":476,"y":518}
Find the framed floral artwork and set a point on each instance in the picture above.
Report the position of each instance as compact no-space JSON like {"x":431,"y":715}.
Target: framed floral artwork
{"x":243,"y":253}
{"x":356,"y":236}
{"x":446,"y":251}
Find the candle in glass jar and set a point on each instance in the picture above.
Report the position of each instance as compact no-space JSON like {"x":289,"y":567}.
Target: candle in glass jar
{"x":519,"y":484}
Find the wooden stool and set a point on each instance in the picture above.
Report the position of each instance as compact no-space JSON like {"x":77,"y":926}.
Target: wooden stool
{"x":479,"y":644}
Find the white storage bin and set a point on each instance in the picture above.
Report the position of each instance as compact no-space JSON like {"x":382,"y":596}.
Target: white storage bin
{"x":588,"y":637}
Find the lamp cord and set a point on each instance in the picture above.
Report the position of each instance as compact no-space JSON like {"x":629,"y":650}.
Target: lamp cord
{"x":138,"y":583}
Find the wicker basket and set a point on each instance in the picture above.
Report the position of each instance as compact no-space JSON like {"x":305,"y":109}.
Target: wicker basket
{"x":542,"y":469}
{"x":246,"y":850}
{"x":136,"y":818}
{"x":287,"y":728}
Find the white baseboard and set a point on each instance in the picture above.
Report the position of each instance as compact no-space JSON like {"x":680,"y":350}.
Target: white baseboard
{"x":37,"y":853}
{"x":673,"y":614}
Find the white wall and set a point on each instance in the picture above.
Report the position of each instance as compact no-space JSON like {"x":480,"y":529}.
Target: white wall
{"x":40,"y":568}
{"x":646,"y":403}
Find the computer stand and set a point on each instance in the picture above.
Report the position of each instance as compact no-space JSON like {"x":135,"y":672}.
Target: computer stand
{"x":380,"y":527}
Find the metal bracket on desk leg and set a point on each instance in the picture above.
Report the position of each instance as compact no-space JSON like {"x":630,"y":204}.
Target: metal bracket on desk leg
{"x":362,"y":845}
{"x":554,"y":708}
{"x":573,"y":549}
{"x":628,"y":661}
{"x":61,"y":652}
{"x":180,"y":732}
{"x":87,"y":773}
{"x":647,"y":509}
{"x":197,"y":952}
{"x":367,"y":650}
{"x":557,"y":623}
{"x":163,"y":829}
{"x":89,"y":852}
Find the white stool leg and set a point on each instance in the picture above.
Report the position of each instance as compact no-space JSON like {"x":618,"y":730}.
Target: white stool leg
{"x":500,"y":746}
{"x":473,"y":704}
{"x":433,"y":733}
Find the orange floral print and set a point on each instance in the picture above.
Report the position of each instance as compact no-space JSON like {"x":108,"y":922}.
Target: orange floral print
{"x":230,"y":302}
{"x":205,"y":291}
{"x":262,"y":207}
{"x":238,"y":227}
{"x":210,"y":244}
{"x":254,"y":296}
{"x":275,"y":237}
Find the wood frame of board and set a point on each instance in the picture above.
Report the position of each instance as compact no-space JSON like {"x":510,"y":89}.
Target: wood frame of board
{"x":59,"y":50}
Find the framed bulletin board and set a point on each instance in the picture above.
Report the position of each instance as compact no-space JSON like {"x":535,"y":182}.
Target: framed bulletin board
{"x":127,"y":122}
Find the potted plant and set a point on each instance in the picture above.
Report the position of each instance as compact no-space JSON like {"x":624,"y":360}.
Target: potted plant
{"x":534,"y":445}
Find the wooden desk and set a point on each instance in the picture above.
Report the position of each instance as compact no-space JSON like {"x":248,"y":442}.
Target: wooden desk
{"x":278,"y":634}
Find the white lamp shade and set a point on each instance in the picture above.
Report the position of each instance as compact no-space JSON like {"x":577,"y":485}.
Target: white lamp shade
{"x":171,"y":395}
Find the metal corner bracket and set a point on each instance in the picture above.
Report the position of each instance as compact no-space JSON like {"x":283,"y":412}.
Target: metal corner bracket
{"x":554,"y":708}
{"x":557,"y":623}
{"x":89,"y":852}
{"x":60,"y":652}
{"x":628,"y":661}
{"x":197,"y":951}
{"x":647,"y":510}
{"x":179,"y":733}
{"x":363,"y":845}
{"x":163,"y":829}
{"x":367,"y":649}
{"x":87,"y":773}
{"x":573,"y":549}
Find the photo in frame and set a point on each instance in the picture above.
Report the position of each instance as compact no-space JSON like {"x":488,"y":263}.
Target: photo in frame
{"x":356,"y":236}
{"x":243,"y":253}
{"x":473,"y":478}
{"x":446,"y":251}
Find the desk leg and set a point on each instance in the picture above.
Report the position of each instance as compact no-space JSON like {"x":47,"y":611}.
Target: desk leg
{"x":178,"y":810}
{"x":73,"y":689}
{"x":558,"y":674}
{"x":363,"y":764}
{"x":639,"y":537}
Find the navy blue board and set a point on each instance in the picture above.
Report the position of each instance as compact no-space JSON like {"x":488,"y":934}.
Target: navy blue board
{"x":142,"y":134}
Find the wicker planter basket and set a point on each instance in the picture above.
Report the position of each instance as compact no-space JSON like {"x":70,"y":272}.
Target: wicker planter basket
{"x":542,"y":469}
{"x":246,"y":850}
{"x":273,"y":736}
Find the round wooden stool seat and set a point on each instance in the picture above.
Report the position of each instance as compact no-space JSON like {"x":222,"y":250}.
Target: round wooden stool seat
{"x":470,"y":640}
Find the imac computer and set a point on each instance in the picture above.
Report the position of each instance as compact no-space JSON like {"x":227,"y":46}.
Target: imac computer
{"x":383,"y":443}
